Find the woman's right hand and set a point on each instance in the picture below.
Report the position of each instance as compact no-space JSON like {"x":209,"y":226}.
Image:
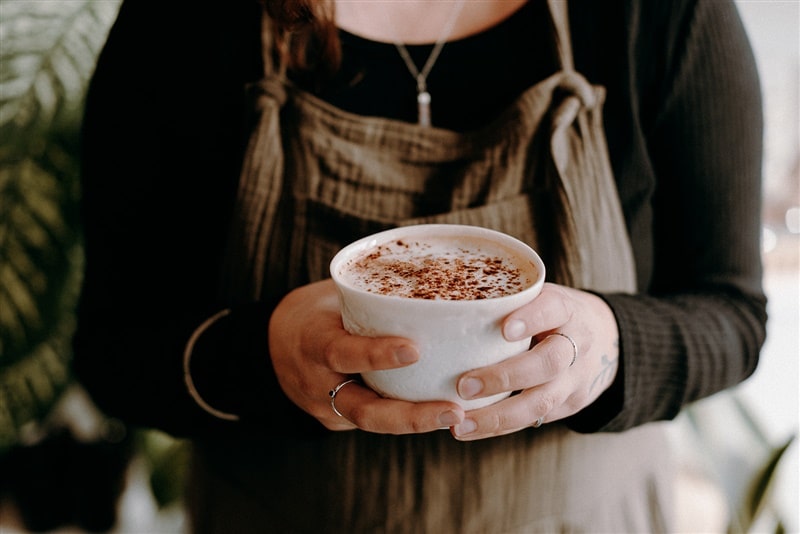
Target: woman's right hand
{"x":312,"y":353}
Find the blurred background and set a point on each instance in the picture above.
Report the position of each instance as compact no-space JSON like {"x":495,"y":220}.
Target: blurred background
{"x":66,"y":468}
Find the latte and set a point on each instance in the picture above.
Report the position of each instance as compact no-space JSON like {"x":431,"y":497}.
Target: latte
{"x":440,"y":268}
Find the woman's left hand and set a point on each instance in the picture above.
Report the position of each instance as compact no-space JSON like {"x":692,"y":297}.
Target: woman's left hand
{"x":551,"y":385}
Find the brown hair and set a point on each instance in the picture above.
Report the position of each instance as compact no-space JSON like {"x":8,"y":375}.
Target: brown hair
{"x":306,"y":37}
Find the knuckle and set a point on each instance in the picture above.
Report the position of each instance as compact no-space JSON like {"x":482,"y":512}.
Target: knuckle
{"x":505,"y":379}
{"x":495,"y":422}
{"x":330,"y":356}
{"x":498,"y":422}
{"x":539,"y":315}
{"x":374,"y":358}
{"x":510,"y":420}
{"x":543,"y":404}
{"x":550,"y":362}
{"x":417,"y":426}
{"x":359,"y":416}
{"x":565,"y":304}
{"x":560,"y":299}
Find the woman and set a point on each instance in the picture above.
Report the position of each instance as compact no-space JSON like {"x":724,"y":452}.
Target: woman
{"x":230,"y":152}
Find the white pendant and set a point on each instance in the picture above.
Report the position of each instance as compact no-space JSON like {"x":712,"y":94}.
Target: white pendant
{"x":424,"y":108}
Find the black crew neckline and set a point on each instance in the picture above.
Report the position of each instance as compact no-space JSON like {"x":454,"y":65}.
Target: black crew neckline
{"x":474,"y":79}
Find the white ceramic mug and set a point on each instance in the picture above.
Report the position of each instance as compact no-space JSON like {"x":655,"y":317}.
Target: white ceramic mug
{"x":453,"y":336}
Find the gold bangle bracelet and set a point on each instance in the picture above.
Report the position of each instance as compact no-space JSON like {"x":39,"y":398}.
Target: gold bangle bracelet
{"x":187,"y":373}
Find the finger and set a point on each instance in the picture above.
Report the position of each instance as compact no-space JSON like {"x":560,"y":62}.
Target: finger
{"x":551,"y":309}
{"x":351,"y":354}
{"x":328,"y":343}
{"x":573,"y":345}
{"x":365,"y":409}
{"x":513,"y":414}
{"x":331,"y":417}
{"x":541,"y":364}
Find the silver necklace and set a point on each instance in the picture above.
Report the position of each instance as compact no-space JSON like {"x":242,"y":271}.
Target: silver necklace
{"x":423,"y":96}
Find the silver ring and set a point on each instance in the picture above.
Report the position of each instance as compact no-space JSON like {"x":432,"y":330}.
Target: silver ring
{"x":538,"y":422}
{"x":574,"y":345}
{"x":332,"y":393}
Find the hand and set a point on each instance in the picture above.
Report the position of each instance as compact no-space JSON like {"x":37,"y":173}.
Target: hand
{"x":550,"y":386}
{"x":312,"y":353}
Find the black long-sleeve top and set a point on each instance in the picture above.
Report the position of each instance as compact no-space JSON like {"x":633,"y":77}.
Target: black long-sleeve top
{"x":164,"y":134}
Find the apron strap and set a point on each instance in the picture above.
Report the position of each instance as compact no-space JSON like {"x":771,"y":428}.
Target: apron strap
{"x":260,"y":181}
{"x":560,"y":14}
{"x":593,"y":218}
{"x":274,"y":66}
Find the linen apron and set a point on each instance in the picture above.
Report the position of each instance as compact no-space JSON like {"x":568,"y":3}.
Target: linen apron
{"x":316,"y":178}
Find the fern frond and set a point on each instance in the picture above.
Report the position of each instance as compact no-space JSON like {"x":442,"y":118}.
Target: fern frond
{"x":35,"y":244}
{"x":48,"y":54}
{"x":29,"y":387}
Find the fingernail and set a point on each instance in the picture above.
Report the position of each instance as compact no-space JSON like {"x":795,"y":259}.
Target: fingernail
{"x":469,"y":387}
{"x":406,"y":355}
{"x":467,"y":426}
{"x":449,"y":418}
{"x":514,"y":330}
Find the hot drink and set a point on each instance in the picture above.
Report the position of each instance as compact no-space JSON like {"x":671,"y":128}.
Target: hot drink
{"x":445,"y":287}
{"x":454,"y":268}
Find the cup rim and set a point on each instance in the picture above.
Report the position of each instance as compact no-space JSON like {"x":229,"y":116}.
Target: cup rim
{"x":442,"y":229}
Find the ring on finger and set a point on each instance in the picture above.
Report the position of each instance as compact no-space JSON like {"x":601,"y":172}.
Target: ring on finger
{"x":574,"y":346}
{"x":332,"y":394}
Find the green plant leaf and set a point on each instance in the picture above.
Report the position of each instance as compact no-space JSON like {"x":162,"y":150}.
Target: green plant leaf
{"x":38,"y":236}
{"x":29,"y":388}
{"x":169,"y":463}
{"x":743,"y":468}
{"x":759,"y":490}
{"x":48,"y":55}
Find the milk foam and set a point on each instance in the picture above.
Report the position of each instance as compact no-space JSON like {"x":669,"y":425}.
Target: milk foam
{"x":447,"y":268}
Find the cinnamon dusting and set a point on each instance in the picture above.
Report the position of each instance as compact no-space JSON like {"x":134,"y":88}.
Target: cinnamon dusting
{"x":414,"y":270}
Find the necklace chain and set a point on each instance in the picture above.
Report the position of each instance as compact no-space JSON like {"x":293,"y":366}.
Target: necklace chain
{"x":421,"y":76}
